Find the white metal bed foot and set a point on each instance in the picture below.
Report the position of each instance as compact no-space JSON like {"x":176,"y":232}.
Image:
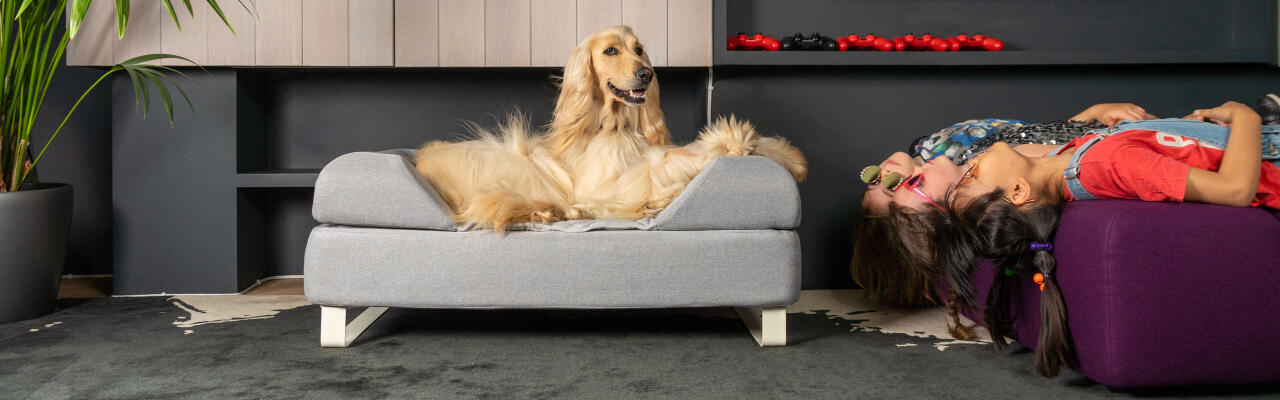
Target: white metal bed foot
{"x":768,"y":325}
{"x":334,"y":330}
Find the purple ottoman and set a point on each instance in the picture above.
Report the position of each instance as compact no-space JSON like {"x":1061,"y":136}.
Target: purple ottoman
{"x":1162,"y":294}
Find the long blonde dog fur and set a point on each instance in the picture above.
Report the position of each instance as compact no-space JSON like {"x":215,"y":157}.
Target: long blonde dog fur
{"x":606,"y":154}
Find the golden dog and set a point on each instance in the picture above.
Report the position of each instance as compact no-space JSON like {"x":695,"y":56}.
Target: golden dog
{"x":607,"y":153}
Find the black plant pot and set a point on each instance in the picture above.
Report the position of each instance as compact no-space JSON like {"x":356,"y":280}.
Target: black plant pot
{"x":34,"y":224}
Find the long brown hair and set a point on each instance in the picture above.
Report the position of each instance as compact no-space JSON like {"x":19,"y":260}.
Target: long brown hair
{"x":1005,"y":233}
{"x":893,"y":256}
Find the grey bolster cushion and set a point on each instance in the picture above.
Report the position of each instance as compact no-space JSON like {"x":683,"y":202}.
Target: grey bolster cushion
{"x":748,"y":192}
{"x":379,"y":190}
{"x":384,"y":190}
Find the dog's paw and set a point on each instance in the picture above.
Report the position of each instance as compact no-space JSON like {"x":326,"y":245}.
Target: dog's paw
{"x":543,"y":216}
{"x":654,"y":207}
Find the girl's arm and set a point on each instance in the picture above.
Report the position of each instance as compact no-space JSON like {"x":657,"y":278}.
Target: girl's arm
{"x":1236,"y":181}
{"x":1110,"y":114}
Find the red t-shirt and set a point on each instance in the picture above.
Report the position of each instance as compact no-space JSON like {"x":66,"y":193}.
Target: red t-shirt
{"x":1153,"y":166}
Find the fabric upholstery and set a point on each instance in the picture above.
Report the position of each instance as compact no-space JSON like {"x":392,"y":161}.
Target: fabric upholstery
{"x":384,"y":190}
{"x":750,"y":192}
{"x":378,"y":189}
{"x":1162,"y":294}
{"x":353,"y":266}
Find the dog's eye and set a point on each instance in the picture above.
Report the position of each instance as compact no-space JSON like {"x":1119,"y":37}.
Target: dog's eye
{"x":639,"y":51}
{"x":610,"y":51}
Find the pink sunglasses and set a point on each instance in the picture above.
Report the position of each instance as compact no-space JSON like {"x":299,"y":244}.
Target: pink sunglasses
{"x":914,"y":183}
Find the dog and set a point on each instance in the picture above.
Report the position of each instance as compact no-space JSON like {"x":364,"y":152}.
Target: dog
{"x":606,"y":154}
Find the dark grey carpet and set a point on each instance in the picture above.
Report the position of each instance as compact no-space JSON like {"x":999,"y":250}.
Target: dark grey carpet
{"x":128,"y":348}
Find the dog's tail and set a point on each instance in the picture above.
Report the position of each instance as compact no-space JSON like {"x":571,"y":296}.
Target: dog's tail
{"x":512,"y":134}
{"x":736,"y":137}
{"x":730,"y":136}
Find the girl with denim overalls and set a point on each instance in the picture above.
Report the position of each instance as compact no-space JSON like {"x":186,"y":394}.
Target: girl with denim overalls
{"x":1010,"y":203}
{"x":1156,"y":160}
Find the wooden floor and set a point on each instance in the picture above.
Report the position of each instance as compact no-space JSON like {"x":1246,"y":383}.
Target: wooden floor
{"x":82,"y":288}
{"x":277,"y":287}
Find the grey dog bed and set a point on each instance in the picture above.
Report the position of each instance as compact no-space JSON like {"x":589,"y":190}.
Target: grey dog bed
{"x":386,"y":240}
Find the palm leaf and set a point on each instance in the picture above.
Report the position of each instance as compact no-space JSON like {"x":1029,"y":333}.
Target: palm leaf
{"x":175,"y":84}
{"x":140,"y":74}
{"x":214,"y":4}
{"x":141,"y":94}
{"x":168,"y":6}
{"x":23,"y":7}
{"x":122,"y":15}
{"x":165,"y":100}
{"x":78,"y":9}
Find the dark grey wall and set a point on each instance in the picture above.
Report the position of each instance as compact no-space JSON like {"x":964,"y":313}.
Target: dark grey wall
{"x":315,"y":116}
{"x":174,"y":198}
{"x":81,"y":157}
{"x":845,"y":119}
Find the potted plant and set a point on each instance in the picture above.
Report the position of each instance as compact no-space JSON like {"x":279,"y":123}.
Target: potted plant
{"x":35,"y":217}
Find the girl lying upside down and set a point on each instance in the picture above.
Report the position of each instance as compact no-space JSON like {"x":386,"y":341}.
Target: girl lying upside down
{"x":893,"y":255}
{"x":1008,"y":204}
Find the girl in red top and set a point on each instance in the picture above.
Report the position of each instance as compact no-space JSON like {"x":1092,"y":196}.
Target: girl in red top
{"x":1010,"y":203}
{"x":1164,"y":160}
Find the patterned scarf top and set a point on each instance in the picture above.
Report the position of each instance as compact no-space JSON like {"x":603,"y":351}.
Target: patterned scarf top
{"x":962,"y":141}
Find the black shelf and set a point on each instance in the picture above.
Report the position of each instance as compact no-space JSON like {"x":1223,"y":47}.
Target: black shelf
{"x":290,"y":178}
{"x":978,"y":58}
{"x":1043,"y":32}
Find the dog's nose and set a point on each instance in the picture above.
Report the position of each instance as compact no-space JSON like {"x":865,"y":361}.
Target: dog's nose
{"x":644,"y":74}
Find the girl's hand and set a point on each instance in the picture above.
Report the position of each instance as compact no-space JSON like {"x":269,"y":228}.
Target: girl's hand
{"x":1110,"y":114}
{"x":1225,"y":114}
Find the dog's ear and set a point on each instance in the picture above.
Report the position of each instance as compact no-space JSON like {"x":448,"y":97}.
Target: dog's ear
{"x":652,"y":120}
{"x":579,"y":75}
{"x":576,"y":107}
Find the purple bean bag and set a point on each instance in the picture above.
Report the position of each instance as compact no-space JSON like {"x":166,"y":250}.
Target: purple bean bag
{"x":1162,"y":294}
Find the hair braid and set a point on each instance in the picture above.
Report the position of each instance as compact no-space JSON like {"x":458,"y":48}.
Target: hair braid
{"x":1005,"y":234}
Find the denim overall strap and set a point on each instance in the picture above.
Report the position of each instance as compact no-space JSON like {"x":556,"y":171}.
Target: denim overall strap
{"x":1204,"y":132}
{"x":1072,"y":172}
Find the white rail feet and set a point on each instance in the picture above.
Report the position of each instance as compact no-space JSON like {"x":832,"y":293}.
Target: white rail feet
{"x":336,"y":332}
{"x":767,"y":324}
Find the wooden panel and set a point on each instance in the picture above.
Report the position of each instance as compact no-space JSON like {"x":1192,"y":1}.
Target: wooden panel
{"x":689,"y":36}
{"x":372,"y":32}
{"x":506,"y":33}
{"x":417,"y":33}
{"x":461,"y":33}
{"x":648,"y":19}
{"x":95,"y":42}
{"x":596,"y":14}
{"x":193,"y":41}
{"x":325,"y":37}
{"x":142,"y":36}
{"x":279,"y":35}
{"x":554,"y":31}
{"x":225,"y":47}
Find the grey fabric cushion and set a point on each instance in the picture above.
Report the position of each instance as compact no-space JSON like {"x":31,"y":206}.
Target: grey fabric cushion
{"x":749,"y":192}
{"x":351,"y":266}
{"x":384,"y":190}
{"x":378,"y":189}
